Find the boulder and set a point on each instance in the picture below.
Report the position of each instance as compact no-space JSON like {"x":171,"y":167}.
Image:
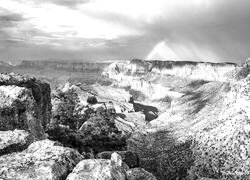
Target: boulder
{"x":99,"y":169}
{"x":139,"y":174}
{"x":12,"y":141}
{"x":24,"y":104}
{"x":43,"y":159}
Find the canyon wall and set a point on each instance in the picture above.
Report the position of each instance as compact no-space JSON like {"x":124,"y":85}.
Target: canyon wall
{"x":185,"y":69}
{"x":202,"y":128}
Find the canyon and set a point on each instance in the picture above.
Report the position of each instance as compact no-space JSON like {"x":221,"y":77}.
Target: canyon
{"x":153,"y":120}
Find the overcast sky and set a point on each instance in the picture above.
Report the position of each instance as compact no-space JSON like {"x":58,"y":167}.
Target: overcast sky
{"x":208,"y":30}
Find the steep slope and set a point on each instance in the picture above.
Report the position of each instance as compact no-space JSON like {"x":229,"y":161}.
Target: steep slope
{"x":202,"y":122}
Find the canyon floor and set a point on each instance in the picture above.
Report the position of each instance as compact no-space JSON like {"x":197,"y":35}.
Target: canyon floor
{"x":131,"y":120}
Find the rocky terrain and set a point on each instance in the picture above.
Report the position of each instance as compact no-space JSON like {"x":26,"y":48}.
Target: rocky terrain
{"x":73,"y":132}
{"x":155,"y":120}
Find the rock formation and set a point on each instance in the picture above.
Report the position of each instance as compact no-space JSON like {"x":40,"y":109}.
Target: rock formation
{"x":99,"y":169}
{"x":13,"y":141}
{"x":88,"y":127}
{"x":108,"y":169}
{"x":41,"y":160}
{"x":25,"y":104}
{"x":201,"y":128}
{"x":165,"y":120}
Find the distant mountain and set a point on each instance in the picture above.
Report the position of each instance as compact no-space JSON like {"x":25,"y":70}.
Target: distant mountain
{"x":64,"y":65}
{"x":6,"y":64}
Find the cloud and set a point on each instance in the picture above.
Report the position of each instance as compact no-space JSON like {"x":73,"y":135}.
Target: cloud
{"x":209,"y":30}
{"x":8,"y":18}
{"x":68,"y":3}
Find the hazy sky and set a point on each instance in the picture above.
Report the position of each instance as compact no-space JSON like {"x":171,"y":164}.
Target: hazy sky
{"x":209,"y":30}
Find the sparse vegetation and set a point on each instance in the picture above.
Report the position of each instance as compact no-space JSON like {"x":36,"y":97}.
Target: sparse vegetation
{"x":92,"y":100}
{"x":65,"y":111}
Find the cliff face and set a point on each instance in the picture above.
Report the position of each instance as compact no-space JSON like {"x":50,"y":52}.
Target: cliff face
{"x":202,"y":129}
{"x":185,"y":69}
{"x":25,"y":104}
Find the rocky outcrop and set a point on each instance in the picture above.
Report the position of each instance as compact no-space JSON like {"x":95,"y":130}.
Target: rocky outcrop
{"x":25,"y":104}
{"x":41,"y":160}
{"x":112,"y":167}
{"x":13,"y":141}
{"x":92,"y":169}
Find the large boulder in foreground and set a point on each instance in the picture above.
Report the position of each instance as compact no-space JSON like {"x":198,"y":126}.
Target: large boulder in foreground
{"x":41,"y":160}
{"x":99,"y":169}
{"x":12,"y":141}
{"x":24,"y":104}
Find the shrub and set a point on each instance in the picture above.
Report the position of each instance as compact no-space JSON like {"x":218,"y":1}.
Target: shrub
{"x":100,"y":134}
{"x":65,"y":111}
{"x":92,"y":100}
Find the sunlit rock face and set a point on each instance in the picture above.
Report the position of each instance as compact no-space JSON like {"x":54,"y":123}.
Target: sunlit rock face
{"x":41,"y":160}
{"x":25,"y":104}
{"x":13,"y":141}
{"x":155,"y":80}
{"x":99,"y":169}
{"x":202,"y":126}
{"x":184,"y":69}
{"x":109,"y":168}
